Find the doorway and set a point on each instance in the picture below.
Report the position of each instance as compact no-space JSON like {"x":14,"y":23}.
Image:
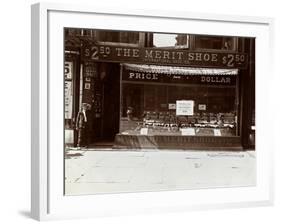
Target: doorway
{"x":108,"y":125}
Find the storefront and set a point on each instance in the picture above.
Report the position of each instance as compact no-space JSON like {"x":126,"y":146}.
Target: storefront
{"x":163,"y":98}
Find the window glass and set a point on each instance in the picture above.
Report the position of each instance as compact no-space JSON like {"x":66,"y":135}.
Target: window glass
{"x":155,"y":107}
{"x":212,"y":42}
{"x":170,"y":40}
{"x":115,"y":36}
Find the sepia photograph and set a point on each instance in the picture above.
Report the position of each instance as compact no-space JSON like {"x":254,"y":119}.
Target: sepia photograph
{"x":149,"y":111}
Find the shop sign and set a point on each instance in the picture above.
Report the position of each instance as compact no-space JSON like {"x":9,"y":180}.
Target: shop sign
{"x":90,"y":69}
{"x":228,"y":80}
{"x":184,"y":107}
{"x":90,"y":75}
{"x":180,"y":57}
{"x":215,"y":79}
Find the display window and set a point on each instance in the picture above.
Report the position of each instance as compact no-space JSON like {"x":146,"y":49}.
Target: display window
{"x":205,"y":104}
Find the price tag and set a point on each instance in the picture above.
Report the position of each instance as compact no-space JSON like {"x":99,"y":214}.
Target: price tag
{"x":217,"y":132}
{"x":187,"y":131}
{"x":144,"y":131}
{"x":172,"y":106}
{"x":201,"y":106}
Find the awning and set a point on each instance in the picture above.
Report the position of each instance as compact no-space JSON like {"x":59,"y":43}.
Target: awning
{"x":178,"y":70}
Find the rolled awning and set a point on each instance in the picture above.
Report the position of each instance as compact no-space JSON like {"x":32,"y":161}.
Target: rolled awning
{"x":178,"y":70}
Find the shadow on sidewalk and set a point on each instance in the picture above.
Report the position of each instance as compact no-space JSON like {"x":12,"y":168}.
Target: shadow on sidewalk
{"x":69,"y":155}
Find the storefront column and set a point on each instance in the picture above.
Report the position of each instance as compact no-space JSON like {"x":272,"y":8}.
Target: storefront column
{"x":247,"y":93}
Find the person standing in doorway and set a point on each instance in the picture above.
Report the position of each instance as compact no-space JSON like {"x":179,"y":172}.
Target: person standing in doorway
{"x":81,"y":126}
{"x":130,"y":113}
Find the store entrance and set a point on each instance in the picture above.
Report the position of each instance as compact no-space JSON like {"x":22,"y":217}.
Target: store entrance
{"x":110,"y":114}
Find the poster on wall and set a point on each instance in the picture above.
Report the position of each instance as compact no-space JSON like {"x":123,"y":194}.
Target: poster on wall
{"x":184,"y":107}
{"x":68,"y":99}
{"x":68,"y":74}
{"x":68,"y":70}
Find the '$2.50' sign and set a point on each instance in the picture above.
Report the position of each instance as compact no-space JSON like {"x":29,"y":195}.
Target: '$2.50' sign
{"x":231,"y":59}
{"x":160,"y":56}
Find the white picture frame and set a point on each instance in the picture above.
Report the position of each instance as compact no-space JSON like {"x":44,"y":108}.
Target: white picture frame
{"x":48,"y":201}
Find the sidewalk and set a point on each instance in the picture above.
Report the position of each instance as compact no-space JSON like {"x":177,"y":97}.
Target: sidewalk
{"x":93,"y":172}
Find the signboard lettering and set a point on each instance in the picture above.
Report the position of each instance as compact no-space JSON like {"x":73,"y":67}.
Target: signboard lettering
{"x":225,"y":80}
{"x":215,"y":79}
{"x":146,"y":76}
{"x":182,"y":57}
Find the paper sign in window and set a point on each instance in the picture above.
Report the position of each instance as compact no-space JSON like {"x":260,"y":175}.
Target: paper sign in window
{"x":185,"y":107}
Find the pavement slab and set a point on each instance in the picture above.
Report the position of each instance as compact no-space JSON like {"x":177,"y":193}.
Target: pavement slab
{"x":100,"y":172}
